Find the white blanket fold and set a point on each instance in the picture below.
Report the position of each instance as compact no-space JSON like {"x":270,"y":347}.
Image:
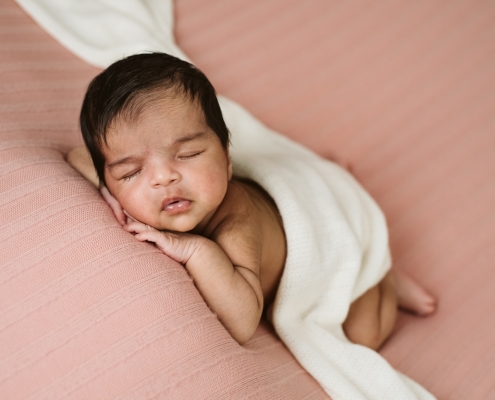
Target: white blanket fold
{"x":336,"y":235}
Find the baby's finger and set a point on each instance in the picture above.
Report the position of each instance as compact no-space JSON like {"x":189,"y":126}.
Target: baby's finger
{"x":143,"y":237}
{"x":114,"y":205}
{"x":137,"y":227}
{"x":129,"y":218}
{"x":179,"y":247}
{"x":155,"y":237}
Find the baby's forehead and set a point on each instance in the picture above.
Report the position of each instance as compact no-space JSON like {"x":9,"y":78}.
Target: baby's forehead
{"x":163,"y":120}
{"x":157,"y":101}
{"x":153,"y":104}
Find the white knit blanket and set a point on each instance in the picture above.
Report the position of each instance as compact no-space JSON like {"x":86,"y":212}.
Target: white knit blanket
{"x":336,"y":235}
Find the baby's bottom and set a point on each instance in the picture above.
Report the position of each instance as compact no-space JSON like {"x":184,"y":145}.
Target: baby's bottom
{"x":372,"y":316}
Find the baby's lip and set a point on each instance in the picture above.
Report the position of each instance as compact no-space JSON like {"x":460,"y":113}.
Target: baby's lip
{"x":176,"y":205}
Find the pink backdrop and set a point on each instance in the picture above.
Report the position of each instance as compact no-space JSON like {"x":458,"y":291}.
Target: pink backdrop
{"x":402,"y":92}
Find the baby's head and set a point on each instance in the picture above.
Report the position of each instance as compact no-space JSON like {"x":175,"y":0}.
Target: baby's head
{"x":155,"y":132}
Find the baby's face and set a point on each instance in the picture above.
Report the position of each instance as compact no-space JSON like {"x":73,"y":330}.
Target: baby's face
{"x":167,"y":169}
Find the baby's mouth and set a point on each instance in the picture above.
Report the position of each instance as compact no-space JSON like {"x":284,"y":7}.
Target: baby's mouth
{"x":176,"y":205}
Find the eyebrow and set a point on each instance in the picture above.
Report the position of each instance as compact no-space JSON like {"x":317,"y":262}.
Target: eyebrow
{"x":190,"y":137}
{"x":120,"y":162}
{"x":183,"y":139}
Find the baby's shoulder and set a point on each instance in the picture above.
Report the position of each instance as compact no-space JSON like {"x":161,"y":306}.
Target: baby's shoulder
{"x":237,"y":226}
{"x":238,"y":214}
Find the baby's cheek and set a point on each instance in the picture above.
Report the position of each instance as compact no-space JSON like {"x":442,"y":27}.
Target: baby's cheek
{"x":215,"y":182}
{"x":134,"y":205}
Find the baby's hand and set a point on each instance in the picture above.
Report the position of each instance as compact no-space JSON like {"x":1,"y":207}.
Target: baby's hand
{"x":115,"y":206}
{"x":178,"y":246}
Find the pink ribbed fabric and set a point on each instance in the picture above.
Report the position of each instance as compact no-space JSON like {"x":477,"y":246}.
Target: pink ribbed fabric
{"x":86,"y":311}
{"x":404,"y":93}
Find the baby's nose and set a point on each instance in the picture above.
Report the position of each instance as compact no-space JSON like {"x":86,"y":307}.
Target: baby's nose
{"x":164,"y":175}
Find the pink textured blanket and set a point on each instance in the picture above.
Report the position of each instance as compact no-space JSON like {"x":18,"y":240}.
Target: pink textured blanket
{"x":403,"y":92}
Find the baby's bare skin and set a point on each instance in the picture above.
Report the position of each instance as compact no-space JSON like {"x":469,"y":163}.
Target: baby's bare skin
{"x":247,"y":212}
{"x":248,"y":230}
{"x":249,"y":218}
{"x":245,"y":235}
{"x":169,"y":172}
{"x":171,"y":175}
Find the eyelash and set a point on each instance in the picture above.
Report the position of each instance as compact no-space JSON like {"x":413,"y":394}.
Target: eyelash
{"x":128,"y":177}
{"x":190,"y":156}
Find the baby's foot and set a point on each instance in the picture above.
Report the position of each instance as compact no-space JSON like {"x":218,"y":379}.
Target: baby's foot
{"x":412,"y":297}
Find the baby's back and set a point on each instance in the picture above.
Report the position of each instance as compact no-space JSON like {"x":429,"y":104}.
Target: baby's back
{"x":249,"y":223}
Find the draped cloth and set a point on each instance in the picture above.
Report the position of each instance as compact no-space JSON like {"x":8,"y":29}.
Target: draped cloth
{"x":337,"y":237}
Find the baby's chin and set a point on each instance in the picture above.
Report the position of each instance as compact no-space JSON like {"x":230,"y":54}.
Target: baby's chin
{"x":182,"y":225}
{"x":176,"y":226}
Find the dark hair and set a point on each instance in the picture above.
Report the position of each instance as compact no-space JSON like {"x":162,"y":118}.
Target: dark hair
{"x":123,"y":88}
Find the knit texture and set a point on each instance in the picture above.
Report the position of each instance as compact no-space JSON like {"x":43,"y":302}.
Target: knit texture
{"x":87,"y":311}
{"x":402,"y":92}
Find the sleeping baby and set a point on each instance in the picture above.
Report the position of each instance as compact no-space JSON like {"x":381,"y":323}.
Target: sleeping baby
{"x":157,"y":147}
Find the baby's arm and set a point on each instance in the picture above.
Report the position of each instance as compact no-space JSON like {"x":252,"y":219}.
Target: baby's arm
{"x":232,"y":292}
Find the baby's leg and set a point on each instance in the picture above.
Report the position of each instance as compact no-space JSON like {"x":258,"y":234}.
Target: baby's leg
{"x":371,"y":317}
{"x":81,"y":161}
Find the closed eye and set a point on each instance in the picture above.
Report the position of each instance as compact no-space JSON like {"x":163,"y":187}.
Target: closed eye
{"x":129,"y":176}
{"x":189,"y":156}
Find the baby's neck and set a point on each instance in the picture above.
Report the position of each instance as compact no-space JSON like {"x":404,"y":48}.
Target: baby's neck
{"x":203,"y":225}
{"x":212,"y":220}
